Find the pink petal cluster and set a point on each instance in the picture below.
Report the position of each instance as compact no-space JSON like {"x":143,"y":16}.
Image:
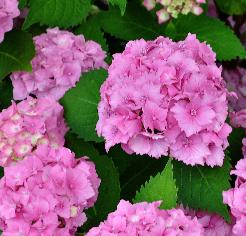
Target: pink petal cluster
{"x":213,"y":224}
{"x":236,"y":197}
{"x":60,"y":59}
{"x":172,"y":8}
{"x":166,"y":97}
{"x":238,"y":119}
{"x":8,"y":11}
{"x":236,"y":83}
{"x":27,"y":124}
{"x":144,"y":219}
{"x":46,"y":193}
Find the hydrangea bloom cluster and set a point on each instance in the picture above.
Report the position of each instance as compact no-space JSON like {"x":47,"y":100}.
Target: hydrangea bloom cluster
{"x":60,"y":59}
{"x":146,"y":219}
{"x":172,"y":8}
{"x":25,"y":125}
{"x":8,"y":11}
{"x":46,"y":193}
{"x":236,"y":82}
{"x":164,"y":96}
{"x":236,"y":197}
{"x":213,"y":224}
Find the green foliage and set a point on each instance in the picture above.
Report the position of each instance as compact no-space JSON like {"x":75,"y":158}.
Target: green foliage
{"x":62,"y":13}
{"x":161,"y":187}
{"x":109,"y":191}
{"x":201,"y":187}
{"x":80,"y":105}
{"x":232,"y":7}
{"x":221,"y":38}
{"x":6,"y":93}
{"x":16,"y":52}
{"x":134,"y":170}
{"x":120,"y":3}
{"x":136,"y":23}
{"x":92,"y":31}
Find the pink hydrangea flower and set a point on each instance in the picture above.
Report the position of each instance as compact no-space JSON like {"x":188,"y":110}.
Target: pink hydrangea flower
{"x":147,"y":219}
{"x":172,"y":8}
{"x":47,"y":193}
{"x":235,"y":197}
{"x":60,"y":59}
{"x":8,"y":11}
{"x":213,"y":224}
{"x":25,"y":125}
{"x":163,"y":97}
{"x":238,"y":119}
{"x":236,"y":83}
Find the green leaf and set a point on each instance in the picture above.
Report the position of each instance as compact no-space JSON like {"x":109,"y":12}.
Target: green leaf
{"x":22,"y":3}
{"x":61,"y":13}
{"x":202,"y":187}
{"x":109,"y":191}
{"x":80,"y":105}
{"x":136,"y":23}
{"x":232,"y":7}
{"x":92,"y":31}
{"x":221,"y":38}
{"x":161,"y":187}
{"x":16,"y":52}
{"x":120,"y":3}
{"x":134,"y":170}
{"x":6,"y":93}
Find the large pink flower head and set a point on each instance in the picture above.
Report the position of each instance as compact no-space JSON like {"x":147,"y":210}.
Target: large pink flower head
{"x":8,"y":11}
{"x":27,"y":124}
{"x":235,"y":197}
{"x":46,"y":193}
{"x":172,"y":8}
{"x":60,"y":59}
{"x":213,"y":224}
{"x":144,"y":219}
{"x":236,"y":82}
{"x":165,"y":97}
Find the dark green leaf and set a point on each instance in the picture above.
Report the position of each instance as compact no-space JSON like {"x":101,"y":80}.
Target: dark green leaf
{"x":91,"y":30}
{"x":16,"y":52}
{"x":135,"y":24}
{"x":6,"y":93}
{"x":202,"y":187}
{"x":161,"y":187}
{"x":61,"y":13}
{"x":120,"y":3}
{"x":232,"y":7}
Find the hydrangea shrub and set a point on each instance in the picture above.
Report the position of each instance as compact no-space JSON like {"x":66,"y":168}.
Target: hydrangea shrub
{"x":122,"y":118}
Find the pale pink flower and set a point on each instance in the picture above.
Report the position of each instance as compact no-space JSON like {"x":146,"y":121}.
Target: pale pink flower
{"x":8,"y":11}
{"x":27,"y":124}
{"x":61,"y":58}
{"x":144,"y":219}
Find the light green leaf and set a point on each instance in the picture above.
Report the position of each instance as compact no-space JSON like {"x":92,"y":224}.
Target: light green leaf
{"x":221,"y":38}
{"x":135,"y":24}
{"x":161,"y":187}
{"x":16,"y":52}
{"x":80,"y":105}
{"x":120,"y":3}
{"x":202,"y":187}
{"x":109,"y":191}
{"x":61,"y":13}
